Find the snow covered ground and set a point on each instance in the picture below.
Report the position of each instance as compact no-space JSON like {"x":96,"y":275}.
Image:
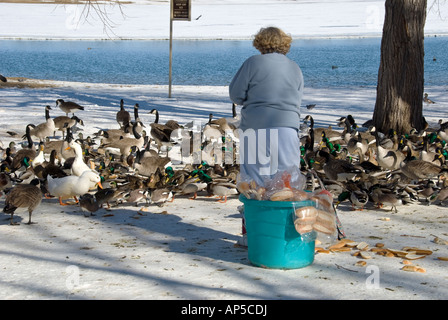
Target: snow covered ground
{"x":227,"y":19}
{"x":185,"y":250}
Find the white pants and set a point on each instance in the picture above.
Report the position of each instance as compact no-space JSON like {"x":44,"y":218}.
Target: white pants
{"x":264,"y":152}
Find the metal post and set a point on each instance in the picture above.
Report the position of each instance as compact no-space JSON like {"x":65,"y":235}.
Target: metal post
{"x":171,"y":49}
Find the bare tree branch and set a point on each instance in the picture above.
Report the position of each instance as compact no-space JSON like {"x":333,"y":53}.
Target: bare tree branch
{"x":97,"y":9}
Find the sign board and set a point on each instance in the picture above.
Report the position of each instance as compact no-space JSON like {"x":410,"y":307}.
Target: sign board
{"x":181,"y":10}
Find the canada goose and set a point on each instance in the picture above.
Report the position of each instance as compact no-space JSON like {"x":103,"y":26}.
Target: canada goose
{"x":136,"y":116}
{"x":443,"y":130}
{"x":88,"y":203}
{"x":236,"y":119}
{"x":146,"y":166}
{"x":123,"y":146}
{"x":3,"y":79}
{"x":389,"y":159}
{"x":422,"y":170}
{"x":45,"y":129}
{"x":435,"y":157}
{"x":123,"y":117}
{"x":72,"y":186}
{"x":111,"y":135}
{"x":357,"y":143}
{"x":23,"y":196}
{"x":159,"y":132}
{"x":338,"y":169}
{"x":211,"y":132}
{"x":61,"y":123}
{"x":68,"y":106}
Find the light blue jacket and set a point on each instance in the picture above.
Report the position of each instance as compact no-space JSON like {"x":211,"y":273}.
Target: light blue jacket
{"x":270,"y":88}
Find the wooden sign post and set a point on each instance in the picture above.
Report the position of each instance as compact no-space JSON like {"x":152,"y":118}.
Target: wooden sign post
{"x":180,"y":11}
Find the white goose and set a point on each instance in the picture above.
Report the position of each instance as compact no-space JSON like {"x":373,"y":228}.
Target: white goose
{"x":78,"y":166}
{"x":73,"y":186}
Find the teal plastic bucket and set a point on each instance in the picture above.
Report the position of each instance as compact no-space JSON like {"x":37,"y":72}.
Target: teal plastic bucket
{"x":272,"y":239}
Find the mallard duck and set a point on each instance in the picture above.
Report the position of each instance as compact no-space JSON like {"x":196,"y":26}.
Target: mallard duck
{"x":50,"y":168}
{"x":359,"y":199}
{"x":427,"y":100}
{"x":160,"y":196}
{"x":428,"y":190}
{"x":222,"y":190}
{"x":5,"y":181}
{"x":61,"y":123}
{"x":385,"y":199}
{"x":26,"y":152}
{"x":23,"y":196}
{"x":105,"y":195}
{"x":190,"y":186}
{"x":73,"y":186}
{"x":137,"y":195}
{"x":45,"y":129}
{"x":123,"y":117}
{"x":439,"y":196}
{"x":88,"y":203}
{"x":68,"y":106}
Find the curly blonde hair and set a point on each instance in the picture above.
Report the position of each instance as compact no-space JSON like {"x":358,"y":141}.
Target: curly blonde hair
{"x":272,"y":39}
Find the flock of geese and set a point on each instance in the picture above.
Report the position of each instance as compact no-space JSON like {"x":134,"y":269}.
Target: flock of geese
{"x":128,"y":164}
{"x":364,"y":166}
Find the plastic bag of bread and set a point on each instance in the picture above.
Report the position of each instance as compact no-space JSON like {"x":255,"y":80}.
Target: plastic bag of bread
{"x":283,"y":186}
{"x":320,"y":219}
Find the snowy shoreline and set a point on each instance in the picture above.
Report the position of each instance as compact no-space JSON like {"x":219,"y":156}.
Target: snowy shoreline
{"x":210,"y":21}
{"x":186,"y":249}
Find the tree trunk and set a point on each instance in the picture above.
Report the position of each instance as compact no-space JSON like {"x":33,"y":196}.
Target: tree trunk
{"x":400,"y":87}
